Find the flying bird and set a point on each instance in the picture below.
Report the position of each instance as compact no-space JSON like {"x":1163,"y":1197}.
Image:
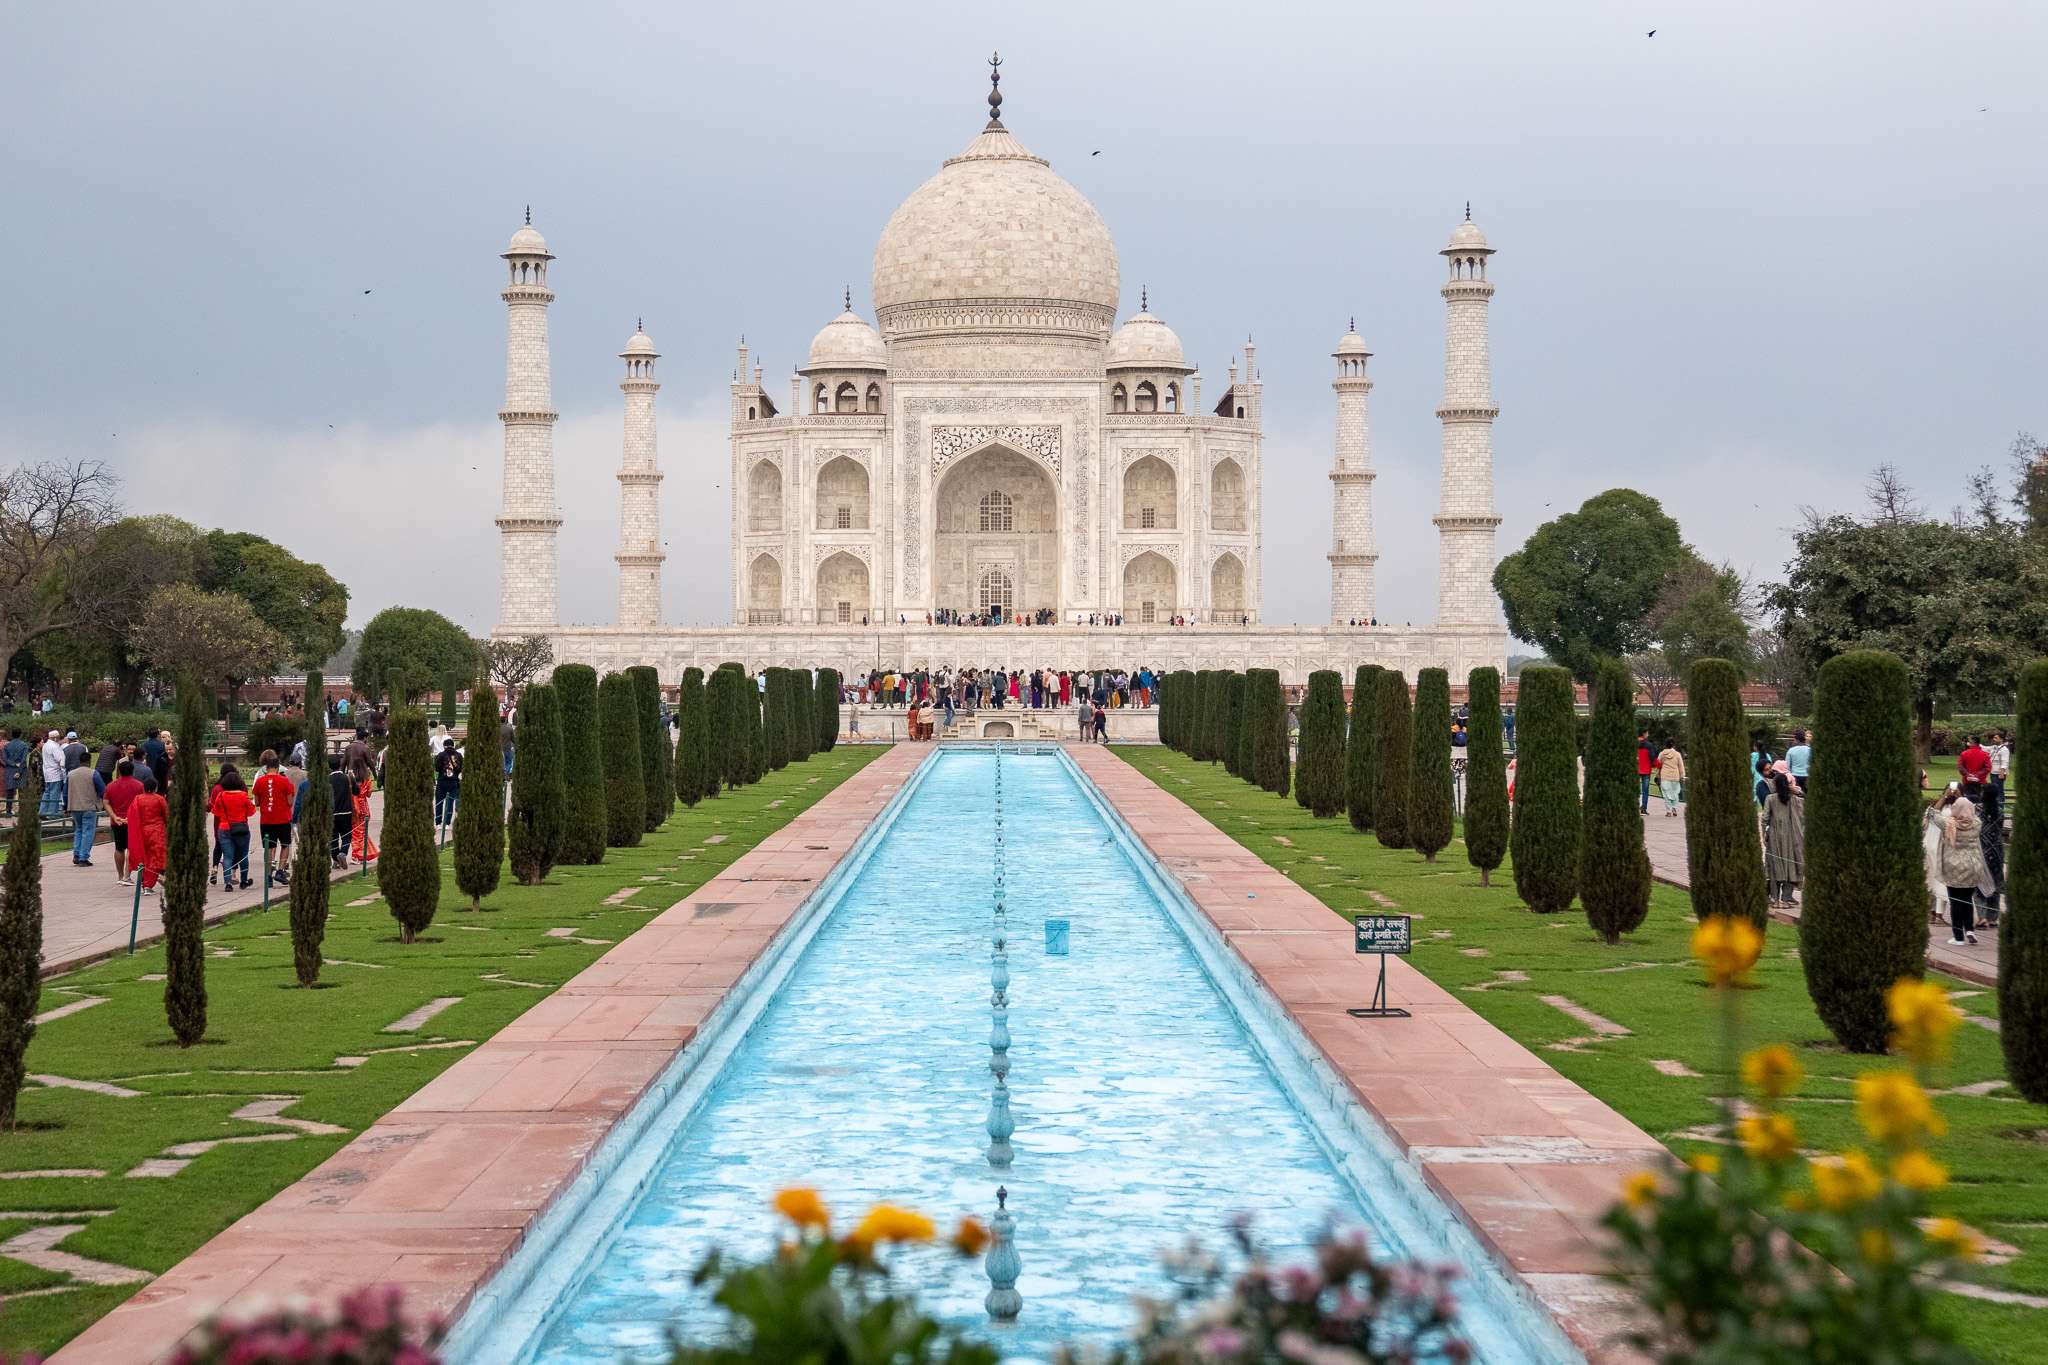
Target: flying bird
{"x":1096,"y":152}
{"x":366,"y":291}
{"x":1651,"y":34}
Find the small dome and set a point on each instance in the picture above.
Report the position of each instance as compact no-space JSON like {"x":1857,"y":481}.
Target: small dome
{"x":640,"y":344}
{"x":847,"y":343}
{"x":1351,"y":343}
{"x":1144,"y":342}
{"x":527,"y":242}
{"x":1466,"y":236}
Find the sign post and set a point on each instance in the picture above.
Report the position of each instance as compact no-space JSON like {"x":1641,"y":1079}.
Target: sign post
{"x":1380,"y":934}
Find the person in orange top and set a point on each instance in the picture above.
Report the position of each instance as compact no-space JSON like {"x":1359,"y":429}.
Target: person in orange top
{"x":274,"y":793}
{"x":149,"y":832}
{"x":232,"y":808}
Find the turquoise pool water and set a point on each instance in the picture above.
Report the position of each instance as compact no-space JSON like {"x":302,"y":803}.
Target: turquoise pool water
{"x":1154,"y":1097}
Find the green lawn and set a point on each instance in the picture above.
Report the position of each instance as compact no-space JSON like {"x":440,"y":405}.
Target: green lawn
{"x":1467,"y":936}
{"x":269,"y":1038}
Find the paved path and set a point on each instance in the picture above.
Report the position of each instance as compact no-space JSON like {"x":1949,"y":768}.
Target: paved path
{"x":86,"y":913}
{"x":436,"y":1194}
{"x":1665,"y":839}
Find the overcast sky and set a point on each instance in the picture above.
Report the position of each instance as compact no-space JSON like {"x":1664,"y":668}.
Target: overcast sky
{"x":252,"y":249}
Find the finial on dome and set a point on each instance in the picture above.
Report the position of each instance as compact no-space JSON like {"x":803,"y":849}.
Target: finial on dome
{"x":639,"y":324}
{"x":1144,"y":299}
{"x":1354,"y":322}
{"x":1468,"y":210}
{"x":529,"y":215}
{"x":995,"y":91}
{"x":849,"y":298}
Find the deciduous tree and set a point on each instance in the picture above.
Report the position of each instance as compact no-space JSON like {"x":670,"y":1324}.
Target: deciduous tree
{"x":419,"y":644}
{"x":214,"y":638}
{"x":512,"y":663}
{"x":51,"y":516}
{"x":1585,"y":585}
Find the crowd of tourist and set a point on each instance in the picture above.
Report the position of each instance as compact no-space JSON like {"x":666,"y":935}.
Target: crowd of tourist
{"x":953,"y":690}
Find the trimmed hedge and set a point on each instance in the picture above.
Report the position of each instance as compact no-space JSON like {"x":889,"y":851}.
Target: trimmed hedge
{"x":1863,"y":919}
{"x":480,"y":814}
{"x":583,"y":814}
{"x":1393,"y":763}
{"x":1723,"y":861}
{"x":2023,"y":931}
{"x":1430,"y":812}
{"x":1545,"y":838}
{"x":1362,"y":747}
{"x":1486,"y":776}
{"x":1614,"y":867}
{"x":825,"y":701}
{"x":697,"y":776}
{"x":1319,"y":772}
{"x":625,"y":797}
{"x":656,"y":795}
{"x":1234,"y":754}
{"x":534,"y":829}
{"x":1266,"y":707}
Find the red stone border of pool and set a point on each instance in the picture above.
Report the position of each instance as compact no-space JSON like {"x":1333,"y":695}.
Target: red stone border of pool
{"x":1524,"y":1157}
{"x":439,"y":1192}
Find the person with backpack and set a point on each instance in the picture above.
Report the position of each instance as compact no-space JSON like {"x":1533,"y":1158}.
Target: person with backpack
{"x":275,"y":794}
{"x":447,"y":782}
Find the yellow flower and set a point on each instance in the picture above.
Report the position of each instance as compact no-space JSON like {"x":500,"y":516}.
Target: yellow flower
{"x":1876,"y":1244}
{"x":1894,"y":1109}
{"x":1768,"y":1137}
{"x":1955,"y":1239}
{"x":1772,"y":1070}
{"x":1922,"y":1019}
{"x":1919,"y":1171}
{"x":1843,"y":1182}
{"x":1639,"y":1191}
{"x":1799,"y":1201}
{"x":970,"y":1238}
{"x":800,"y":1205}
{"x":1706,"y":1163}
{"x":887,"y":1223}
{"x":1727,"y":947}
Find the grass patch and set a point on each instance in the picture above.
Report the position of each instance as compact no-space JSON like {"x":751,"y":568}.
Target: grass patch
{"x":1648,"y":985}
{"x":266,"y":1040}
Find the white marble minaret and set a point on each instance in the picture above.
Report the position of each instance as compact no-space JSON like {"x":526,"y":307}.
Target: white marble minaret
{"x":639,"y":555}
{"x":528,"y":518}
{"x":1465,"y":518}
{"x":1353,"y":551}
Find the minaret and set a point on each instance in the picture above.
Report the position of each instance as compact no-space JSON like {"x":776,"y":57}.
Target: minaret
{"x":639,"y":555}
{"x":1465,"y":518}
{"x":528,"y":518}
{"x":1353,"y":551}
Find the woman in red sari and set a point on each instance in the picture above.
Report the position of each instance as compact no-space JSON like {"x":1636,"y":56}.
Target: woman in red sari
{"x":149,"y":834}
{"x":361,"y":848}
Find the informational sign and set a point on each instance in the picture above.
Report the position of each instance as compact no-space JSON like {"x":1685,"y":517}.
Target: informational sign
{"x":1381,"y":934}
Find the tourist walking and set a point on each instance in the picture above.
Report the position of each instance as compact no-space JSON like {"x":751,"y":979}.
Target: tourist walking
{"x":1989,"y":798}
{"x":53,"y":776}
{"x":149,"y":822}
{"x":232,"y":808}
{"x":362,"y":848}
{"x":1784,"y":841}
{"x":1645,"y":761}
{"x":1671,"y":778}
{"x":120,"y":800}
{"x":1959,"y":865}
{"x":14,"y":765}
{"x":447,"y":782}
{"x":1798,"y":758}
{"x":84,"y":793}
{"x":276,"y":795}
{"x":1101,"y":723}
{"x":341,"y":805}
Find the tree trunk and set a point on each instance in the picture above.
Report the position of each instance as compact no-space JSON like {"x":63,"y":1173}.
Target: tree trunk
{"x":1923,"y":729}
{"x":1485,"y":877}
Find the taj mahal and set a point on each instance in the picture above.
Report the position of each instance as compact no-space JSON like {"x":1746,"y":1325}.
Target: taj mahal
{"x":995,"y":446}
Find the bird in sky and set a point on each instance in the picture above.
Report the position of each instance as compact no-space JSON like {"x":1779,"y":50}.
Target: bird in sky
{"x":1096,"y":152}
{"x":1651,"y":34}
{"x":366,"y":291}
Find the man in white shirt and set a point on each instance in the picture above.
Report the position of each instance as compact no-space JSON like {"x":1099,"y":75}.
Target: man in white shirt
{"x":53,"y":776}
{"x":2001,"y":755}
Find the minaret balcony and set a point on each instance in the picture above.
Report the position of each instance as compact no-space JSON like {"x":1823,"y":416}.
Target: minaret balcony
{"x":547,"y":415}
{"x":1467,"y":412}
{"x":1466,"y":522}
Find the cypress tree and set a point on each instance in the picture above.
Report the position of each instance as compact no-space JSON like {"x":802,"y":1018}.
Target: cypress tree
{"x":583,"y":812}
{"x":21,"y":943}
{"x":1198,"y":718}
{"x":1172,"y":704}
{"x":2023,"y":931}
{"x":729,"y":724}
{"x":759,"y":759}
{"x":1394,"y":759}
{"x":184,"y":894}
{"x":1545,"y":839}
{"x":480,"y":815}
{"x":1614,"y":867}
{"x":311,"y":878}
{"x":1863,"y":924}
{"x":450,"y":708}
{"x":534,"y":828}
{"x":1233,"y":726}
{"x":625,"y":796}
{"x":775,"y":718}
{"x":1429,"y":780}
{"x":408,"y":864}
{"x":1319,"y":777}
{"x":1486,"y":776}
{"x":1362,"y":747}
{"x":1266,"y":720}
{"x":825,"y":702}
{"x":1216,"y":715}
{"x":1165,"y":702}
{"x":1721,"y":854}
{"x":803,"y":715}
{"x":694,"y":778}
{"x":655,"y":794}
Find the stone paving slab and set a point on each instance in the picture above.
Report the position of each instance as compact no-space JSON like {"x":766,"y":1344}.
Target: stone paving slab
{"x":439,"y":1192}
{"x":1525,"y":1158}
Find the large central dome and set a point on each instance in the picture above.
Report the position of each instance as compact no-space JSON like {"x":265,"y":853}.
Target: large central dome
{"x":993,"y":229}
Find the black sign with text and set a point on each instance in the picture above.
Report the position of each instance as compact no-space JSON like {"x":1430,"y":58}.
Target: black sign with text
{"x":1381,"y":934}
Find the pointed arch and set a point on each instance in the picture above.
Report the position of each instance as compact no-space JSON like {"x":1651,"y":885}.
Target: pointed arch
{"x":1151,"y":495}
{"x":764,"y":591}
{"x":1226,"y":496}
{"x":764,"y":497}
{"x":842,"y":589}
{"x":1149,"y":589}
{"x":1226,"y":587}
{"x":843,"y":498}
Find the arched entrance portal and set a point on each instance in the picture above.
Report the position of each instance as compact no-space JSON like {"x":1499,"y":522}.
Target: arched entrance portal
{"x":842,"y":590}
{"x":997,"y":538}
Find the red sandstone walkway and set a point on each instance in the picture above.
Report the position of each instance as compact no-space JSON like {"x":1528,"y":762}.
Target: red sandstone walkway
{"x":437,"y":1193}
{"x":1665,"y":839}
{"x":1528,"y":1160}
{"x":86,"y":913}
